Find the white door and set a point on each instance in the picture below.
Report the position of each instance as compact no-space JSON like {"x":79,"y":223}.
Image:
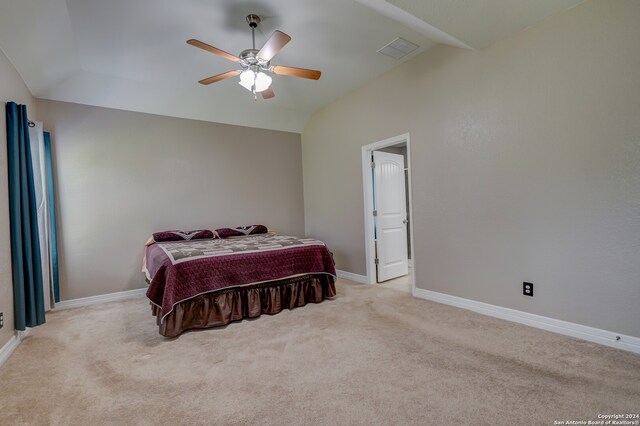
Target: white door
{"x":390,"y":209}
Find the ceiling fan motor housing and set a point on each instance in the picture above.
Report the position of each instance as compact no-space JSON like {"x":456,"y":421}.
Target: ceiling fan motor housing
{"x":249,"y":57}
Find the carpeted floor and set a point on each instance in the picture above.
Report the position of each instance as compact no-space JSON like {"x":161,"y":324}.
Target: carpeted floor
{"x":401,"y":284}
{"x":371,"y":356}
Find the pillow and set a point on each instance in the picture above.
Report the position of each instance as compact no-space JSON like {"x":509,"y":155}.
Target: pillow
{"x":241,"y":230}
{"x":182,"y":236}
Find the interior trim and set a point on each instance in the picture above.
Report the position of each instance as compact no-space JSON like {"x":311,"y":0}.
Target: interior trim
{"x":595,"y":335}
{"x":352,"y":277}
{"x":7,"y":350}
{"x":93,"y":300}
{"x":367,"y":192}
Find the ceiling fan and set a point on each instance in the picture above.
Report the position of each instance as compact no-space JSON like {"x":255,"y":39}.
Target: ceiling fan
{"x":255,"y":62}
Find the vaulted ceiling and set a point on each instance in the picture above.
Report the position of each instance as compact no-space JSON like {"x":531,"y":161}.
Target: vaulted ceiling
{"x":132,"y":55}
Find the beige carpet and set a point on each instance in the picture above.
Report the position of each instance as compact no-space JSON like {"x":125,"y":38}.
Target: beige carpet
{"x":401,"y":284}
{"x":371,"y":356}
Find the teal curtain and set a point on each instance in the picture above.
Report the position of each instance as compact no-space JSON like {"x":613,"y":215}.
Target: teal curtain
{"x":53,"y":235}
{"x":28,"y":294}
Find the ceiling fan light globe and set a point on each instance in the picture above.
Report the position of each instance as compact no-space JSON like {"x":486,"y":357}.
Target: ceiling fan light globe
{"x":263,"y":82}
{"x":247,"y":79}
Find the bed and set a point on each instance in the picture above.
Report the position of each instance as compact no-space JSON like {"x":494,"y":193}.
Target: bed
{"x":210,"y":282}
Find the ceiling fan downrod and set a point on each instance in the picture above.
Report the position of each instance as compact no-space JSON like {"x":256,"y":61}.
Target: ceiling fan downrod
{"x":253,"y":21}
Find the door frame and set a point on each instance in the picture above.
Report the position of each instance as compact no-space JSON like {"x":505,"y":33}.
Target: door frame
{"x":367,"y":188}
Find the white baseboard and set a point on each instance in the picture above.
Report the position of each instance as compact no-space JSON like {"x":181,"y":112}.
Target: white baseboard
{"x":7,"y":350}
{"x":352,"y":277}
{"x":93,"y":300}
{"x":596,"y":335}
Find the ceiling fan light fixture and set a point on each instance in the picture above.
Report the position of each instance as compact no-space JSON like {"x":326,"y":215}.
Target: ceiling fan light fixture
{"x":263,"y":82}
{"x":249,"y":78}
{"x":253,"y":62}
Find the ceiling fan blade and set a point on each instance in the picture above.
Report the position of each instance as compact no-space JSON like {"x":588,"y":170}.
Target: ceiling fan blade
{"x":271,"y":48}
{"x":268,"y":94}
{"x":201,"y":45}
{"x":219,"y":77}
{"x":296,"y":72}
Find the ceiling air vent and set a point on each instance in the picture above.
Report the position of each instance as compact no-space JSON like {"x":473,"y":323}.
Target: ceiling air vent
{"x":398,"y":48}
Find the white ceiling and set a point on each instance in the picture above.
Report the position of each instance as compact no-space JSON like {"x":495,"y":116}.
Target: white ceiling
{"x":482,"y":23}
{"x":132,"y":55}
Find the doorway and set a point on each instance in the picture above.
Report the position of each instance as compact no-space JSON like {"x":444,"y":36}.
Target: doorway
{"x":389,"y":249}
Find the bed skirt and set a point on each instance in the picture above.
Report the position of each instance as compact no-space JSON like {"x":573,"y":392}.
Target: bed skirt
{"x":234,"y":304}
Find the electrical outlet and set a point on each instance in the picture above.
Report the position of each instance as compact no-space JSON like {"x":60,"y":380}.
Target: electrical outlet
{"x":1,"y":319}
{"x":527,"y":289}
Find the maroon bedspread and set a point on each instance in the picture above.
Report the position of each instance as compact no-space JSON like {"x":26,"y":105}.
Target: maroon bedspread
{"x":182,"y":270}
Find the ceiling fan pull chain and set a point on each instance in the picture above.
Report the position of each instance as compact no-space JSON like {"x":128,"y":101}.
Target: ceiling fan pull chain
{"x":253,"y":88}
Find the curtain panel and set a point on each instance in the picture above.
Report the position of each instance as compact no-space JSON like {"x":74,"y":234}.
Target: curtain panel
{"x":26,"y":264}
{"x":53,"y":233}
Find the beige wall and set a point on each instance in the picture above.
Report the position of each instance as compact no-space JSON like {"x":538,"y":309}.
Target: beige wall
{"x":123,"y":175}
{"x":12,"y":88}
{"x":526,"y":167}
